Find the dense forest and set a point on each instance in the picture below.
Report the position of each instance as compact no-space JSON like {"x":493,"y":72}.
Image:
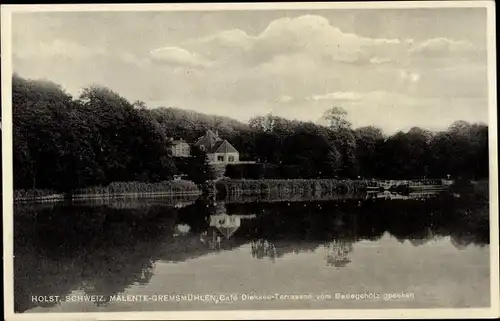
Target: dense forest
{"x":62,"y":142}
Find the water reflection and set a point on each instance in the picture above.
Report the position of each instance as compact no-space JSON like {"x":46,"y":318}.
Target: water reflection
{"x":222,"y":226}
{"x":105,"y":249}
{"x":263,"y":248}
{"x":415,"y":195}
{"x":338,"y":253}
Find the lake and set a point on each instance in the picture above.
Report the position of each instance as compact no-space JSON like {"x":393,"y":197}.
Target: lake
{"x":355,"y":252}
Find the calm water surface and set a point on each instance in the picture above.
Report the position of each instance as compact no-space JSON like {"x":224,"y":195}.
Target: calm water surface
{"x":392,"y":252}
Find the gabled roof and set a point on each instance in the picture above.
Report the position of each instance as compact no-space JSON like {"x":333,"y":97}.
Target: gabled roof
{"x":223,"y":147}
{"x":228,"y":231}
{"x":226,"y":224}
{"x":208,"y":141}
{"x":213,"y":144}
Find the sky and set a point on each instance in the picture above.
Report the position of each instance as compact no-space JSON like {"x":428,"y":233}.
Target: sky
{"x":391,"y":68}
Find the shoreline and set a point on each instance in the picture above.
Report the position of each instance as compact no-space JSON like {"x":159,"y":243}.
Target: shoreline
{"x":131,"y":190}
{"x":82,"y":197}
{"x":284,"y":187}
{"x":322,"y":186}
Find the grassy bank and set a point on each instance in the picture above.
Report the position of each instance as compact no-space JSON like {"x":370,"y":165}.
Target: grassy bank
{"x":290,"y":187}
{"x":115,"y":189}
{"x":42,"y":195}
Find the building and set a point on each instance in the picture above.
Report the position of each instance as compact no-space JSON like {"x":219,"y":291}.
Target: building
{"x":226,"y":224}
{"x":180,"y":148}
{"x":218,"y":151}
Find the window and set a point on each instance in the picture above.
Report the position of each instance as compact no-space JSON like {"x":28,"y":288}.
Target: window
{"x":231,"y":159}
{"x":220,"y":158}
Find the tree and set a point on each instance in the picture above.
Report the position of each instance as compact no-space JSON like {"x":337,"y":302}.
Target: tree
{"x":128,"y":145}
{"x":263,"y":123}
{"x":368,"y":140}
{"x":342,"y":137}
{"x":336,"y":118}
{"x":461,"y":151}
{"x":41,"y":121}
{"x":312,"y":152}
{"x":138,"y":104}
{"x":197,"y":167}
{"x":459,"y":127}
{"x":64,"y":143}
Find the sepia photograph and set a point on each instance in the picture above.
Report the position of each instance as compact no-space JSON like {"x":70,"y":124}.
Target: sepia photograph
{"x":258,"y":160}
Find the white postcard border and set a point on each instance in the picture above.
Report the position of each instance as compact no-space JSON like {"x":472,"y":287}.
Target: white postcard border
{"x":6,"y":64}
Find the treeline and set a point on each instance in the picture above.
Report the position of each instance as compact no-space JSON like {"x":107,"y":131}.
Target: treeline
{"x":459,"y":152}
{"x":65,"y":143}
{"x":294,"y":149}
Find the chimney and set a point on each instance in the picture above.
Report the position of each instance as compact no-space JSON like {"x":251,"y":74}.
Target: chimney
{"x":217,"y":133}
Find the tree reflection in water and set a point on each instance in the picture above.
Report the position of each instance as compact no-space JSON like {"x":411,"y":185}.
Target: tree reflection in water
{"x":103,"y":250}
{"x":337,"y":253}
{"x":263,"y":248}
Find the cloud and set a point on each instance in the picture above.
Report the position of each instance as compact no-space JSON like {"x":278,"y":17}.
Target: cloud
{"x":178,"y":57}
{"x":339,"y":95}
{"x":379,"y":60}
{"x":407,"y":75}
{"x":296,"y":67}
{"x":283,"y":99}
{"x":221,"y":45}
{"x":395,"y":111}
{"x":134,"y":59}
{"x":452,"y":81}
{"x":442,"y":47}
{"x":358,"y":96}
{"x":318,"y":42}
{"x":56,"y":48}
{"x":315,"y":36}
{"x":310,"y":35}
